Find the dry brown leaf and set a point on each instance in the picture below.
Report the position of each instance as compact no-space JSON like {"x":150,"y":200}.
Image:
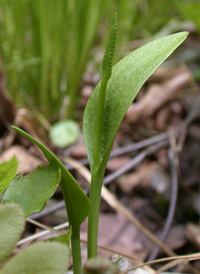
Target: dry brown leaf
{"x":27,"y":162}
{"x":130,"y":181}
{"x":117,"y":162}
{"x":192,"y":231}
{"x":156,"y":97}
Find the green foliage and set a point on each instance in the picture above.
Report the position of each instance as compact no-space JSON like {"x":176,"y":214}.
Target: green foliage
{"x":64,"y":133}
{"x":127,"y":78}
{"x":45,"y":44}
{"x":77,"y":203}
{"x":44,"y":48}
{"x":44,"y":258}
{"x":103,"y":115}
{"x":190,"y":10}
{"x":8,"y":171}
{"x":71,"y":190}
{"x":40,"y":258}
{"x":32,"y":191}
{"x":11,"y":227}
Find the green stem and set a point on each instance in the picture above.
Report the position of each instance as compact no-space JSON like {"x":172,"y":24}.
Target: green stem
{"x":76,"y":250}
{"x":99,"y":121}
{"x":95,"y":197}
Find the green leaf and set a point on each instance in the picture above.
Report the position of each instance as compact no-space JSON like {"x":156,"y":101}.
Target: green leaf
{"x":65,"y":238}
{"x":11,"y":227}
{"x":40,"y":258}
{"x":32,"y":191}
{"x":64,"y":133}
{"x":77,"y":203}
{"x":8,"y":171}
{"x":128,"y":76}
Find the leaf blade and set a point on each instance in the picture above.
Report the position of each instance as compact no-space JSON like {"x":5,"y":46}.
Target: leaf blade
{"x":131,"y":72}
{"x":8,"y":171}
{"x":72,"y":192}
{"x":11,"y":227}
{"x":40,"y":258}
{"x":32,"y":191}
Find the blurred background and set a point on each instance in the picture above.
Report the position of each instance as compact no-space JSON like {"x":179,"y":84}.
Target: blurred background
{"x":47,"y":46}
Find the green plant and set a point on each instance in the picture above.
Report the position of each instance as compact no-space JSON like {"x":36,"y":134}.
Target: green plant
{"x":44,"y":258}
{"x":45,"y":45}
{"x":102,"y":117}
{"x":44,"y":48}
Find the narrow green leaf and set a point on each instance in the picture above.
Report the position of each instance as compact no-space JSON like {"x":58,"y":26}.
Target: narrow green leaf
{"x":128,"y":76}
{"x":32,"y":191}
{"x":40,"y":258}
{"x":78,"y":205}
{"x":8,"y":171}
{"x":11,"y":227}
{"x":65,"y":238}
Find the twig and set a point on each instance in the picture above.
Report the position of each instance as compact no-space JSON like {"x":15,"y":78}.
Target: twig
{"x":173,"y":199}
{"x":42,"y":233}
{"x":135,"y":161}
{"x":195,"y":256}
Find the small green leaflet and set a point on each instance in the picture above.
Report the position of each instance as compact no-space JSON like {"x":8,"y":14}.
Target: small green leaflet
{"x":65,"y":238}
{"x":32,"y":191}
{"x":11,"y":227}
{"x":8,"y":171}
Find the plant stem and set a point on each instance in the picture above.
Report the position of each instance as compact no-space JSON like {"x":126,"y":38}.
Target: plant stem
{"x":76,"y":250}
{"x":99,"y":122}
{"x":95,"y":197}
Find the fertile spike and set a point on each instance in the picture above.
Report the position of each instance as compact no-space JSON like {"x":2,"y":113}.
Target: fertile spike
{"x":110,"y":49}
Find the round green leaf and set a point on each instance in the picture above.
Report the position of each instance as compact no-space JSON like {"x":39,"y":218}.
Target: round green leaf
{"x":64,"y":133}
{"x":40,"y":258}
{"x":11,"y":227}
{"x":32,"y":191}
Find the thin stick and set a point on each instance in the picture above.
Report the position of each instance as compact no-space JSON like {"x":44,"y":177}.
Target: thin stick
{"x":173,"y":199}
{"x":195,"y":256}
{"x":43,"y":233}
{"x":135,"y":161}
